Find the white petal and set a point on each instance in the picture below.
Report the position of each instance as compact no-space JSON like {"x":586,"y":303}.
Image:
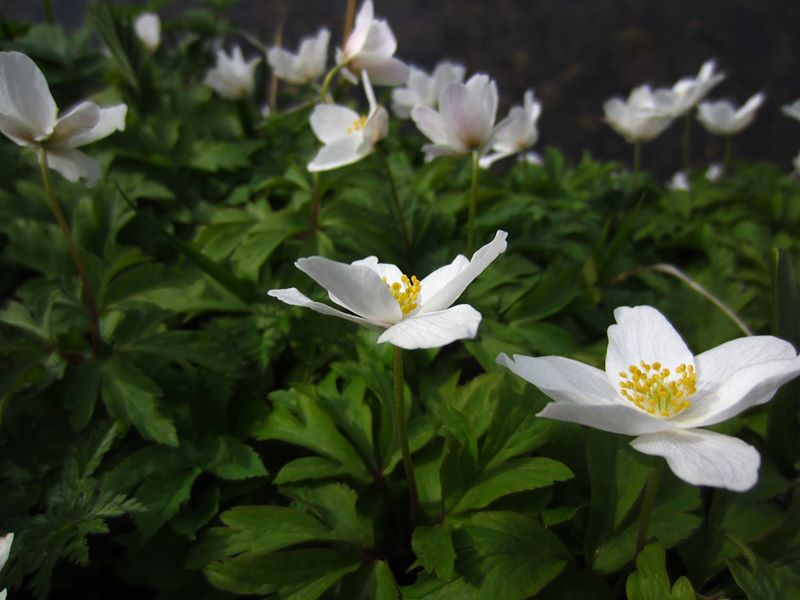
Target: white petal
{"x":436,"y":150}
{"x":112,"y":118}
{"x":433,"y":330}
{"x":466,"y":108}
{"x":357,"y":288}
{"x":77,"y":120}
{"x":331,"y":121}
{"x":24,"y":94}
{"x":563,"y":379}
{"x":285,"y":65}
{"x":361,"y":28}
{"x":148,"y":29}
{"x":295,"y":298}
{"x":433,"y":283}
{"x":704,"y":457}
{"x":16,"y":130}
{"x":482,"y":258}
{"x":643,"y":334}
{"x":391,"y":273}
{"x":73,"y":164}
{"x":487,"y":161}
{"x":387,"y":71}
{"x":5,"y":548}
{"x":614,"y":418}
{"x":431,"y":124}
{"x":337,"y":154}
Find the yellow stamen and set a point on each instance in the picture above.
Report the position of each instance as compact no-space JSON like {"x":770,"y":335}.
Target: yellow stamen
{"x":358,"y":124}
{"x":405,"y":292}
{"x":650,"y":388}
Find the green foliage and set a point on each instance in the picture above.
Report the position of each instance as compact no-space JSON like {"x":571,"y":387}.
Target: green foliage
{"x":650,"y":580}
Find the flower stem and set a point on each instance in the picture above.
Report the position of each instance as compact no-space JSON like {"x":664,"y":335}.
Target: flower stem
{"x":687,"y":143}
{"x":637,"y":157}
{"x":326,"y":84}
{"x":473,"y":199}
{"x":48,"y":12}
{"x":349,"y":16}
{"x":726,"y":157}
{"x":277,"y":40}
{"x":88,"y":295}
{"x":402,"y":433}
{"x":395,"y":197}
{"x":648,"y":503}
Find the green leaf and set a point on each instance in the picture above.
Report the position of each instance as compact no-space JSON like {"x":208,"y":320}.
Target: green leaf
{"x":82,"y":391}
{"x":163,"y":494}
{"x":384,"y":585}
{"x":335,"y":504}
{"x":650,"y":580}
{"x":760,"y":580}
{"x":213,"y":156}
{"x":309,"y":467}
{"x":434,"y":549}
{"x":132,"y":397}
{"x":231,"y":459}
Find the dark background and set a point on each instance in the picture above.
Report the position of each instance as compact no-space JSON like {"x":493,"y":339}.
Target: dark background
{"x":575,"y":54}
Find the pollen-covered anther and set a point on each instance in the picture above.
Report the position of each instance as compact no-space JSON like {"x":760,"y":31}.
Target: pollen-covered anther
{"x":405,"y":292}
{"x":358,"y":124}
{"x":656,"y":390}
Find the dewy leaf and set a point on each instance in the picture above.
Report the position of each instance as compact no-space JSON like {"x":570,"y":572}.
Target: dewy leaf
{"x":650,"y":580}
{"x":434,"y":549}
{"x":132,"y":397}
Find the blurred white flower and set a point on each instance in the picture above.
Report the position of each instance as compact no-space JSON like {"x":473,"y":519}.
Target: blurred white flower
{"x":410,"y":313}
{"x":28,"y":117}
{"x":5,"y":550}
{"x":370,"y":47}
{"x":465,"y":120}
{"x":679,"y":182}
{"x":147,"y":27}
{"x":687,"y":92}
{"x":423,"y":89}
{"x":654,"y":388}
{"x":796,"y":164}
{"x":307,"y":65}
{"x":517,"y":133}
{"x":347,"y":136}
{"x":642,"y":117}
{"x":715,"y":171}
{"x":532,"y":158}
{"x":792,"y":110}
{"x":722,"y":117}
{"x":232,"y":77}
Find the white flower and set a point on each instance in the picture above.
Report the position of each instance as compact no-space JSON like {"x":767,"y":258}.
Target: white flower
{"x":644,"y":116}
{"x":347,"y":136}
{"x":679,"y":182}
{"x":715,"y":171}
{"x":654,"y":388}
{"x":687,"y":92}
{"x":423,"y":89}
{"x":722,"y":117}
{"x":517,"y":133}
{"x":465,"y":120}
{"x":5,"y":550}
{"x":411,"y":313}
{"x":232,"y":77}
{"x":28,"y":117}
{"x":307,"y":65}
{"x":792,"y":110}
{"x":796,"y":163}
{"x":147,"y":27}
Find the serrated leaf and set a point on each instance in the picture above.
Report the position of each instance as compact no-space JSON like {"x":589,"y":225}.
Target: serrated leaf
{"x":433,"y":547}
{"x":162,"y":495}
{"x":233,"y":459}
{"x":650,"y":580}
{"x":335,"y":504}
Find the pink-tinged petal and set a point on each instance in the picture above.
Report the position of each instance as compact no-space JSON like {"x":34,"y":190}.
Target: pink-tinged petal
{"x":330,"y":122}
{"x":702,"y":457}
{"x":433,"y":330}
{"x":358,"y":288}
{"x":614,"y":418}
{"x":434,"y":282}
{"x":342,"y":152}
{"x":750,"y":386}
{"x":643,"y":334}
{"x":25,"y":96}
{"x":436,"y":150}
{"x":482,"y":258}
{"x":563,"y":379}
{"x":112,"y":118}
{"x":358,"y":36}
{"x":431,"y":124}
{"x":73,"y":164}
{"x":467,"y":111}
{"x":295,"y":298}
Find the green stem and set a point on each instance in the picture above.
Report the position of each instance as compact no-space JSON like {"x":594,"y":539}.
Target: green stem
{"x":326,"y":84}
{"x":726,"y":157}
{"x":687,"y":143}
{"x":315,"y":198}
{"x":648,"y":503}
{"x":395,"y":197}
{"x":402,"y":432}
{"x":473,"y":200}
{"x":48,"y":12}
{"x":88,"y":295}
{"x":637,"y":157}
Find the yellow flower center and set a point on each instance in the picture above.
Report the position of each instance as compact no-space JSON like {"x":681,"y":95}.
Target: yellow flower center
{"x":650,"y":387}
{"x":358,"y":124}
{"x":405,"y":292}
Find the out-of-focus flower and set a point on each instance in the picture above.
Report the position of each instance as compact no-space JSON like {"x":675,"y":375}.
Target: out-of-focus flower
{"x":465,"y":120}
{"x":722,"y":117}
{"x":423,"y":89}
{"x":347,"y":136}
{"x":517,"y":133}
{"x":796,"y":164}
{"x":654,"y":388}
{"x":307,"y":65}
{"x":370,"y":47}
{"x":642,"y":117}
{"x":679,"y":182}
{"x":715,"y":171}
{"x":28,"y":117}
{"x":410,"y":313}
{"x":5,"y":550}
{"x":232,"y":77}
{"x":147,"y":27}
{"x":792,"y":110}
{"x":687,"y":92}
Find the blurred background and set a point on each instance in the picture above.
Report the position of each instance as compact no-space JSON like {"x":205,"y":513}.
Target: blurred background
{"x":574,"y":53}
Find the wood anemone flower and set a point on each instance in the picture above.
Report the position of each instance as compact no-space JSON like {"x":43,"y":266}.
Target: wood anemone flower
{"x":307,"y":65}
{"x":232,"y":77}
